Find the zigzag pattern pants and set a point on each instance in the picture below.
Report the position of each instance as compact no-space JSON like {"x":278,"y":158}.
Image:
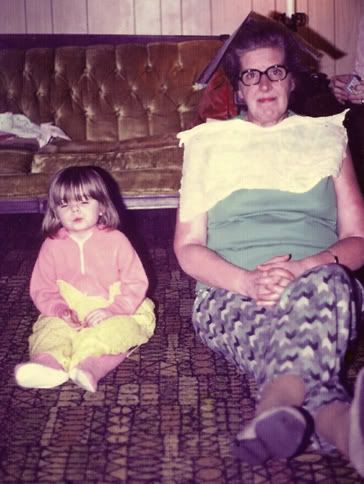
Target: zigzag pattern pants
{"x":306,"y":333}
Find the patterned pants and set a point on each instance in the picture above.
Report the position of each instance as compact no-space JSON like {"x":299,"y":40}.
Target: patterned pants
{"x":306,"y":333}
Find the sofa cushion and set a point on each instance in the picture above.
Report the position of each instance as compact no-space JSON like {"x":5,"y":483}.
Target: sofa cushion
{"x":21,"y":186}
{"x":140,"y":166}
{"x":15,"y":161}
{"x":143,"y":153}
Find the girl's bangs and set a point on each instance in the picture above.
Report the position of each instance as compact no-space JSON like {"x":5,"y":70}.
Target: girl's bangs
{"x":70,"y":190}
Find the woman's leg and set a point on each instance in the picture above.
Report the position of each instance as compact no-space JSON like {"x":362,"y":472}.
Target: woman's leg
{"x":338,"y":434}
{"x":295,"y":351}
{"x":348,"y":432}
{"x":285,"y":390}
{"x":242,"y":331}
{"x":315,"y":319}
{"x":237,"y":327}
{"x":356,"y":426}
{"x":234,"y":326}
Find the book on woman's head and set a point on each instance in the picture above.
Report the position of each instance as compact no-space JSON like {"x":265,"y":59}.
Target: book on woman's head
{"x":253,"y":21}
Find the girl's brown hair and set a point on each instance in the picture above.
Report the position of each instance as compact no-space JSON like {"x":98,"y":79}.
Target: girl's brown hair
{"x":75,"y":183}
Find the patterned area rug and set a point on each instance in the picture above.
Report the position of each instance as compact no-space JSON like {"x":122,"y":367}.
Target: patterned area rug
{"x":166,"y":415}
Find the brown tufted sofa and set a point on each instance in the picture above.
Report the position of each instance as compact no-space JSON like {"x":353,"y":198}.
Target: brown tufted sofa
{"x":121,"y":100}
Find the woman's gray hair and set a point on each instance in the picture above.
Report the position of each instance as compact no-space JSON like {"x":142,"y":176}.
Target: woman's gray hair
{"x":256,"y":35}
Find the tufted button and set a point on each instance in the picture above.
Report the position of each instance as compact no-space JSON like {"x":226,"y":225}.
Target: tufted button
{"x":73,"y":92}
{"x":164,"y":87}
{"x":148,"y":68}
{"x":134,"y":88}
{"x":182,"y":108}
{"x":88,"y":112}
{"x":119,"y":68}
{"x":57,"y":69}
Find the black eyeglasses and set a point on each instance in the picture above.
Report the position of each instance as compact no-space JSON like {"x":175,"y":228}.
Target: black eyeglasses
{"x":250,"y":77}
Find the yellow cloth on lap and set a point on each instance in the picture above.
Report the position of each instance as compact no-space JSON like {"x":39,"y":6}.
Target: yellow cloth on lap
{"x":82,"y":303}
{"x":114,"y":335}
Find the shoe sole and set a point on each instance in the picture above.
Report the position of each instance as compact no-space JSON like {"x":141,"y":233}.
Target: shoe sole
{"x":279,"y":433}
{"x":282,"y":432}
{"x":35,"y":375}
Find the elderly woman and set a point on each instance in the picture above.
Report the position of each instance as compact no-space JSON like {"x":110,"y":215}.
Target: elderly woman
{"x":271,"y":224}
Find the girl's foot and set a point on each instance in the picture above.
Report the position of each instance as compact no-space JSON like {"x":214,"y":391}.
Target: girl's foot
{"x":84,"y":379}
{"x":356,"y":432}
{"x":89,"y":372}
{"x":277,"y":433}
{"x":39,"y":375}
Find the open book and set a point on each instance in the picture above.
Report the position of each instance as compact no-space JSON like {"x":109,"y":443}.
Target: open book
{"x":252,"y":20}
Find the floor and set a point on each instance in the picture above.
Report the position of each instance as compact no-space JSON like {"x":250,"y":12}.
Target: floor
{"x":166,"y":415}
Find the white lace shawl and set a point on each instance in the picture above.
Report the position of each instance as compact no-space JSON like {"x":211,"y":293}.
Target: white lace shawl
{"x":223,"y":156}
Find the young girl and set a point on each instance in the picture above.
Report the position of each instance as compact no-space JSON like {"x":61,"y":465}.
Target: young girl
{"x":88,"y":284}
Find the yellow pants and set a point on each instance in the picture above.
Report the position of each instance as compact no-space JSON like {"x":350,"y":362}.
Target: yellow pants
{"x":115,"y":335}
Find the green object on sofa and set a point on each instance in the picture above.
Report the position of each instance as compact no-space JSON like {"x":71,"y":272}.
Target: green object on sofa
{"x":121,"y":104}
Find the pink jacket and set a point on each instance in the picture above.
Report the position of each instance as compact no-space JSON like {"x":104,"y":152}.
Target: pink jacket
{"x":92,"y":267}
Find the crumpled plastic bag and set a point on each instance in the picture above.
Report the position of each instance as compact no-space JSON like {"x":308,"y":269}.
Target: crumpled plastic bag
{"x":21,"y":126}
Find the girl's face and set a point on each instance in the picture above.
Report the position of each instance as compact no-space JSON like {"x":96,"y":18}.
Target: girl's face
{"x":267,"y":101}
{"x":79,"y":217}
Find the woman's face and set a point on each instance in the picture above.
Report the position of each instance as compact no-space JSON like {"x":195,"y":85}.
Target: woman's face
{"x":267,"y":101}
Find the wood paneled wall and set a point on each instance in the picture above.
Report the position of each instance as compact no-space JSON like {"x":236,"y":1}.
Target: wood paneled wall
{"x":333,"y":24}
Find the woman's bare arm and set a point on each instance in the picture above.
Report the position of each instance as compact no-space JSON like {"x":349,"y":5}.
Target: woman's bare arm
{"x":201,"y":263}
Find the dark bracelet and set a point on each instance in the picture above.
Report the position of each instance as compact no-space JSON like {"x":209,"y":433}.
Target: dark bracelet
{"x":333,"y":255}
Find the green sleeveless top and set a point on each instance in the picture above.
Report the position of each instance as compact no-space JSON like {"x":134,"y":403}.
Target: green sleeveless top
{"x":250,"y":226}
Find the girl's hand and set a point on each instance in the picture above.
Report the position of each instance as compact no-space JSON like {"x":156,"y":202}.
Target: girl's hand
{"x":95,"y":317}
{"x":70,"y":316}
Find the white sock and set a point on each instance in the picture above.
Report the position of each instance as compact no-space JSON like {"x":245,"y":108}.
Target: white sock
{"x":36,"y":375}
{"x":83,"y":379}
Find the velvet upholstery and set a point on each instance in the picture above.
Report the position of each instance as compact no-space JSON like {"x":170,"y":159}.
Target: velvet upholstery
{"x":121,"y":105}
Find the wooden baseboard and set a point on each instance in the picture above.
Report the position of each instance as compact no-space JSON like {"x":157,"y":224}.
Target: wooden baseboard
{"x":38,"y":205}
